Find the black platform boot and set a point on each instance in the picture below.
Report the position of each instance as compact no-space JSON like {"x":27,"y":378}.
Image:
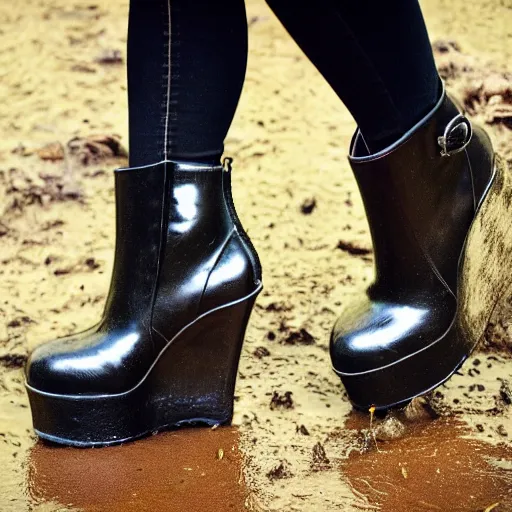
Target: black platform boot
{"x":166,"y":350}
{"x":439,"y":206}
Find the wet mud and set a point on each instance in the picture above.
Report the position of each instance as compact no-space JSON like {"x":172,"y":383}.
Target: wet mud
{"x":295,"y":445}
{"x":434,"y":465}
{"x":189,"y":469}
{"x":185,"y":469}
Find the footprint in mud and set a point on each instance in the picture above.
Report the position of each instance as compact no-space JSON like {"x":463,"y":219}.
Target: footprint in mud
{"x":434,"y":466}
{"x":185,"y":470}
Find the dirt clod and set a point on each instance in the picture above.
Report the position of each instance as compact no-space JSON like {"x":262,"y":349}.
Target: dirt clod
{"x":301,"y":429}
{"x":490,"y":96}
{"x":110,"y":56}
{"x":419,"y":409}
{"x":13,"y":360}
{"x":353,"y":249}
{"x":283,"y":401}
{"x":436,"y":404}
{"x":95,"y":148}
{"x":24,"y":190}
{"x":19,"y":321}
{"x":3,"y":229}
{"x":261,"y":352}
{"x":391,"y":428}
{"x":320,"y":460}
{"x":92,"y":264}
{"x":502,"y":431}
{"x":506,"y":392}
{"x":308,"y":205}
{"x":53,"y":152}
{"x":281,"y":471}
{"x":278,"y":306}
{"x":300,"y":337}
{"x":445,"y":46}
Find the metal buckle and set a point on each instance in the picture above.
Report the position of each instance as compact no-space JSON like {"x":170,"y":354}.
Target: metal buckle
{"x":457,"y":135}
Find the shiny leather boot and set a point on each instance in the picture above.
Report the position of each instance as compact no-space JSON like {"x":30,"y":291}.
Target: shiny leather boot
{"x":166,"y":350}
{"x":439,"y":207}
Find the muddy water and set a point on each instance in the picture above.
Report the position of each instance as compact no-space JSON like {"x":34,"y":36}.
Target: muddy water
{"x":191,"y":469}
{"x":435,"y":466}
{"x":184,"y":470}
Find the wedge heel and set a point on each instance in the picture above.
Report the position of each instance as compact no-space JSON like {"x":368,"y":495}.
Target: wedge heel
{"x":486,"y":273}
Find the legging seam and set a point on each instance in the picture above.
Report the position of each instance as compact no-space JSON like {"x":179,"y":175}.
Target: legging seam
{"x":168,"y":97}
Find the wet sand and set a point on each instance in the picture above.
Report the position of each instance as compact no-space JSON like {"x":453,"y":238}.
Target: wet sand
{"x":295,"y":445}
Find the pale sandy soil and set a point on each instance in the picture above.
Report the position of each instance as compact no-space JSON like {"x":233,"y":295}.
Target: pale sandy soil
{"x":289,"y":140}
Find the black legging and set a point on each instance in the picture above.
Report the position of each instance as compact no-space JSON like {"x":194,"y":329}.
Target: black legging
{"x":187,"y":61}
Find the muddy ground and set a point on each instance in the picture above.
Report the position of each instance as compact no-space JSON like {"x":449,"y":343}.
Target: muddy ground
{"x":295,"y":444}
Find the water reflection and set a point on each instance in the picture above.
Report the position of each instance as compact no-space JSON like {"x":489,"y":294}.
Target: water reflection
{"x":185,"y":470}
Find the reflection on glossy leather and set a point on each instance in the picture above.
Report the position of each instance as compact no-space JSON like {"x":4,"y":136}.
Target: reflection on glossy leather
{"x":233,"y":266}
{"x":116,"y":353}
{"x":174,"y":472}
{"x":185,"y":204}
{"x":391,"y":326}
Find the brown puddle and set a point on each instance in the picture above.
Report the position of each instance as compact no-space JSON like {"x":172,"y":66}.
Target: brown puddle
{"x":186,"y":470}
{"x":431,"y":468}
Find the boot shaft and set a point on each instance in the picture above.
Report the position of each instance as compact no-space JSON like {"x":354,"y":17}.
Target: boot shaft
{"x":420,"y":199}
{"x":179,"y":247}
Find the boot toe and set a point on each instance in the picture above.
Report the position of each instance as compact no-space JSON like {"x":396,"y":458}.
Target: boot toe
{"x":86,"y":363}
{"x":46,"y":369}
{"x":371,"y":335}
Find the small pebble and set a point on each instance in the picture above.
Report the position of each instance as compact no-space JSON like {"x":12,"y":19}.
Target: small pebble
{"x":391,"y":428}
{"x":416,"y":410}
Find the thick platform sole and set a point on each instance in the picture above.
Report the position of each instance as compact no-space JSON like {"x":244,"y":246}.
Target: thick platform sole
{"x":191,"y":382}
{"x":485,"y":278}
